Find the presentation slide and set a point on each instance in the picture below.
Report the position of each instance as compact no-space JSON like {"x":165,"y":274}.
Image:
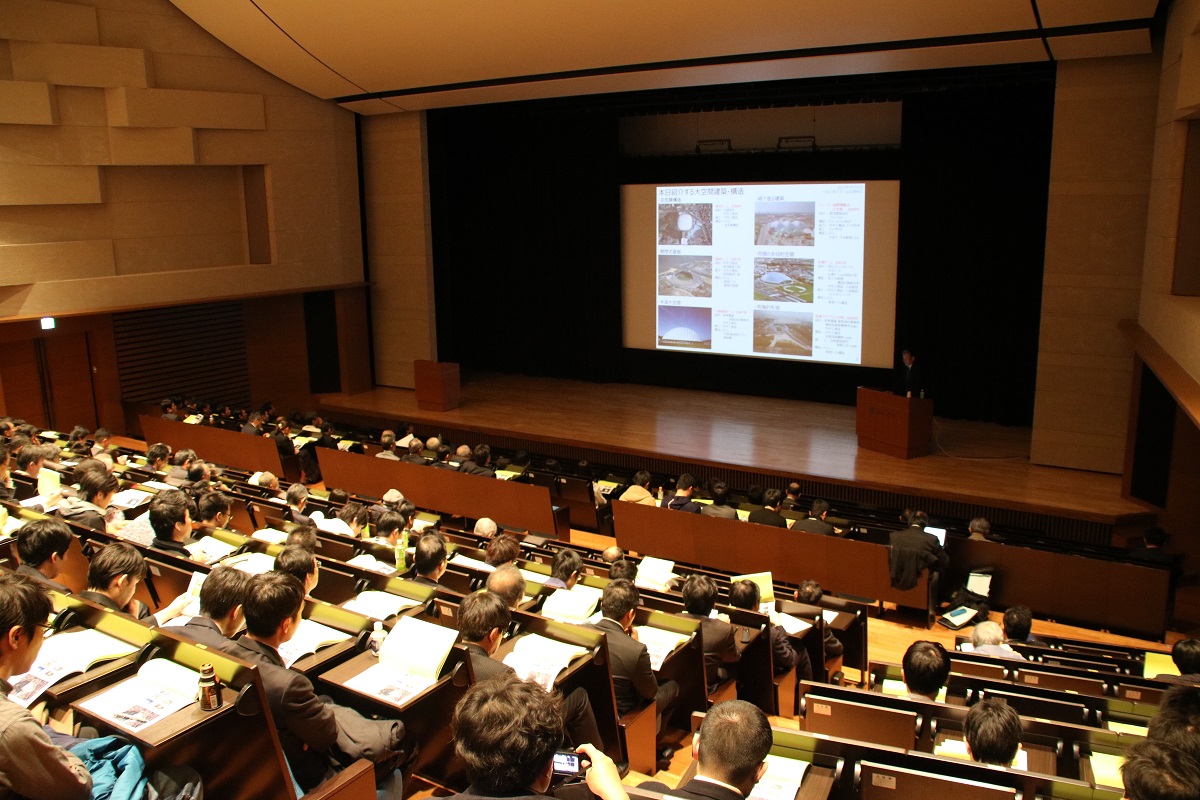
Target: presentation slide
{"x":797,"y":271}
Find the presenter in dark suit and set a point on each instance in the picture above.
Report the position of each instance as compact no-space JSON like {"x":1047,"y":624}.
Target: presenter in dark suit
{"x":506,"y":732}
{"x":730,"y":751}
{"x":910,"y":380}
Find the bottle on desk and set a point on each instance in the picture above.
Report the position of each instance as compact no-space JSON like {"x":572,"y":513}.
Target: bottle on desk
{"x":375,"y":642}
{"x":210,"y":690}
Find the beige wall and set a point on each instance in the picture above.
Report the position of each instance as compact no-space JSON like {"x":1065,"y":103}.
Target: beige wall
{"x":396,"y":192}
{"x":1174,"y":322}
{"x":124,"y":128}
{"x":1095,"y":234}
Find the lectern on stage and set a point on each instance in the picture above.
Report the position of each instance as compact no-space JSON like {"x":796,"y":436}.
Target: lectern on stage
{"x":889,"y":423}
{"x":438,"y":387}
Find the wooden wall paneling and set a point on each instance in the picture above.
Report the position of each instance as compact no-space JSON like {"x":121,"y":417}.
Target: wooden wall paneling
{"x":354,"y":340}
{"x":23,"y":396}
{"x":232,"y":448}
{"x":72,"y":396}
{"x":276,"y":352}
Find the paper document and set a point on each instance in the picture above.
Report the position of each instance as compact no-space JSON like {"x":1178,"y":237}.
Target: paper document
{"x":1106,"y":769}
{"x":309,"y":638}
{"x":419,"y":524}
{"x":766,"y":586}
{"x":506,"y":474}
{"x":208,"y":549}
{"x":378,"y":605}
{"x":655,"y":573}
{"x":368,"y":561}
{"x":131,"y":498}
{"x":159,"y":485}
{"x":782,"y":779}
{"x":410,"y":661}
{"x":898,"y":689}
{"x":66,"y":654}
{"x":829,"y":615}
{"x":572,"y":605}
{"x":270,"y":536}
{"x":659,"y":643}
{"x":12,"y":525}
{"x":539,"y":659}
{"x":1158,"y":664}
{"x":459,"y":560}
{"x":1125,"y":727}
{"x":793,"y":626}
{"x":49,"y":483}
{"x":534,"y":577}
{"x":252,"y":563}
{"x":159,"y":689}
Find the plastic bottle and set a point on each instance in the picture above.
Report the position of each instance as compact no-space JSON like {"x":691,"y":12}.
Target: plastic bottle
{"x":376,"y":640}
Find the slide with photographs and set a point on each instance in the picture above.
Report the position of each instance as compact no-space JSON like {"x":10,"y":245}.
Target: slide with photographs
{"x":761,"y":270}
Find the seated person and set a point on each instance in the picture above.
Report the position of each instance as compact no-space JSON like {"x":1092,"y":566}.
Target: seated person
{"x":214,"y":510}
{"x":925,"y":668}
{"x":730,"y":751}
{"x":720,"y":646}
{"x":633,"y":679}
{"x":350,"y":521}
{"x":719,"y":507}
{"x":113,"y":578}
{"x":283,"y":441}
{"x":41,"y":545}
{"x":413,"y":456}
{"x":978,"y":529}
{"x":1154,"y":770}
{"x":639,"y":490}
{"x":485,"y":527}
{"x":1177,"y":722}
{"x":430,"y":559}
{"x":1186,"y":655}
{"x":791,"y":498}
{"x":993,"y":732}
{"x":623,"y":568}
{"x":506,"y":732}
{"x":7,"y":489}
{"x":97,"y":489}
{"x":913,"y":550}
{"x":565,"y":569}
{"x":987,"y":639}
{"x":754,"y":499}
{"x":30,"y":764}
{"x":502,"y":549}
{"x":297,"y":498}
{"x":508,"y":582}
{"x":1018,"y":622}
{"x":483,"y":617}
{"x":685,"y":488}
{"x":102,"y":442}
{"x":478,"y":463}
{"x":387,"y":443}
{"x":171,"y":521}
{"x":309,"y":727}
{"x":301,"y":564}
{"x":222,"y":597}
{"x":746,"y":594}
{"x":611,"y":554}
{"x":810,"y":593}
{"x":815,"y":522}
{"x":769,"y":513}
{"x":158,"y":457}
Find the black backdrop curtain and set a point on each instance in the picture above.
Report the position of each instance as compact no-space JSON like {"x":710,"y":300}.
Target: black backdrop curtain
{"x":525,"y":202}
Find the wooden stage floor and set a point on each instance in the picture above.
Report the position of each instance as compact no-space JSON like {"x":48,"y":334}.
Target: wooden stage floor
{"x":969,"y":461}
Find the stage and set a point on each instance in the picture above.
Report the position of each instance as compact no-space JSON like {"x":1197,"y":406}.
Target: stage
{"x":971,"y":464}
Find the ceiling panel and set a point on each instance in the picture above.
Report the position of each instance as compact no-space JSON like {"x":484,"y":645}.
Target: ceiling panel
{"x":1095,"y":45}
{"x":1061,"y":13}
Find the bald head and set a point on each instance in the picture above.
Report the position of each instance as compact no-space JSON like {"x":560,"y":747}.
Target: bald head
{"x":508,"y":582}
{"x":485,"y":527}
{"x":612,"y":554}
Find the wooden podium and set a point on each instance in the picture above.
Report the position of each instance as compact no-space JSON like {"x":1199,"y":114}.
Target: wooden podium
{"x":438,"y":386}
{"x":889,"y":423}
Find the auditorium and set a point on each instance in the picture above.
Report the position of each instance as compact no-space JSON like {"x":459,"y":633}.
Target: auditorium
{"x":898,"y":300}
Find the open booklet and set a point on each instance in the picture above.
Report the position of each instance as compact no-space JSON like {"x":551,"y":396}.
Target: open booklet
{"x":368,"y":561}
{"x":782,"y":779}
{"x":572,"y":605}
{"x":378,"y":605}
{"x":209,"y":549}
{"x":660,"y":643}
{"x":792,"y":626}
{"x":131,"y":498}
{"x":540,"y":659}
{"x":159,"y":689}
{"x":270,"y":536}
{"x":66,"y":654}
{"x":534,"y":577}
{"x":251,"y":563}
{"x":655,"y":573}
{"x":410,"y":660}
{"x":765,"y":584}
{"x":309,"y":638}
{"x":459,"y":560}
{"x":957,"y":748}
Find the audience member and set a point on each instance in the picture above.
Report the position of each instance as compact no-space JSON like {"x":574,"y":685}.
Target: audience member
{"x":623,"y":569}
{"x":113,"y":577}
{"x":612,"y":554}
{"x":719,"y":507}
{"x":1177,"y":722}
{"x":639,"y":490}
{"x":730,"y":751}
{"x":170,"y":521}
{"x":222,"y":597}
{"x":720,"y":648}
{"x":430,"y":559}
{"x":301,"y":564}
{"x":388,"y":443}
{"x":769,"y":513}
{"x":745,"y":594}
{"x":685,"y":487}
{"x":1154,"y":770}
{"x":30,"y":764}
{"x":297,"y":499}
{"x":215,"y":510}
{"x":508,"y":582}
{"x":485,"y":527}
{"x":304,"y":536}
{"x":993,"y":732}
{"x":506,"y":732}
{"x":791,"y":498}
{"x":987,"y":639}
{"x":815,"y":521}
{"x":1186,"y":655}
{"x":979,"y":528}
{"x":42,"y":545}
{"x":913,"y":550}
{"x":504,"y":549}
{"x":97,"y":490}
{"x":925,"y":667}
{"x":565,"y":569}
{"x":1018,"y":622}
{"x":413,"y":456}
{"x":810,"y":593}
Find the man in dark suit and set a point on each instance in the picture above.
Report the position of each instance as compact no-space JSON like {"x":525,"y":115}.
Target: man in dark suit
{"x":910,"y":381}
{"x":730,"y":751}
{"x":308,"y":726}
{"x":483,"y":617}
{"x":254,"y":425}
{"x":914,"y":550}
{"x":746,"y":594}
{"x":506,"y":732}
{"x":815,"y":523}
{"x":1018,"y":622}
{"x":414,"y":454}
{"x":633,"y":679}
{"x":720,"y":647}
{"x":222,"y":600}
{"x":769,"y":513}
{"x":719,"y":507}
{"x":478,"y":463}
{"x":1186,"y":655}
